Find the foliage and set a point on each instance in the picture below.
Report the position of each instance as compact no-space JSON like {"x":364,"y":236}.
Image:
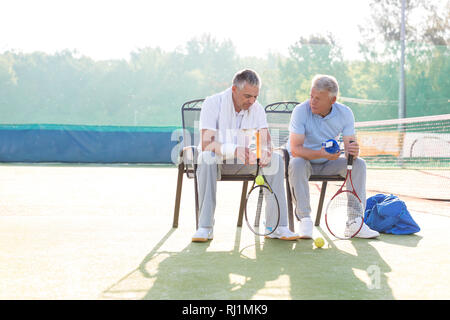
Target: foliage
{"x":149,"y":88}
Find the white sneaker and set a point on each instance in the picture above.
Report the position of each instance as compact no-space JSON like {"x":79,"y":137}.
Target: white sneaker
{"x":305,"y":228}
{"x":283,"y":233}
{"x":203,"y":235}
{"x":365,"y":232}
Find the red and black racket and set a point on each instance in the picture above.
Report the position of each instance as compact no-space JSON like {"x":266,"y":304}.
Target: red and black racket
{"x":261,"y":204}
{"x":344,"y":207}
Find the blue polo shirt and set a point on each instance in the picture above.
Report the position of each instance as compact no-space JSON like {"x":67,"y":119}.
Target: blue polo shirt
{"x":318,"y":129}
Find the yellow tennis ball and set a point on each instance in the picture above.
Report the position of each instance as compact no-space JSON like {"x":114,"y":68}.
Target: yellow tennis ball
{"x":259,"y":180}
{"x":319,"y":242}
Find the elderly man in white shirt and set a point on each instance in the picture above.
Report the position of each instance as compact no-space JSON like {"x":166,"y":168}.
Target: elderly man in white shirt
{"x":224,"y":120}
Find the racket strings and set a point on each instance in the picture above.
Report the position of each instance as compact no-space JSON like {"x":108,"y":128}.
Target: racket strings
{"x":345,"y":204}
{"x":262,"y":210}
{"x":259,"y":204}
{"x":344,"y":208}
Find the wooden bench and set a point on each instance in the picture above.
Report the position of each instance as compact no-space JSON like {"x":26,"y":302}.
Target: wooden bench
{"x":278,"y":117}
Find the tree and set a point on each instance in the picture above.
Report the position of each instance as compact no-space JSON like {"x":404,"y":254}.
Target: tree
{"x":427,"y":63}
{"x":308,"y":57}
{"x":211,"y":63}
{"x":165,"y":80}
{"x":425,"y":23}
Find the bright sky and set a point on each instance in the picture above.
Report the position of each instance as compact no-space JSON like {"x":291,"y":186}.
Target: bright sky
{"x":111,"y":29}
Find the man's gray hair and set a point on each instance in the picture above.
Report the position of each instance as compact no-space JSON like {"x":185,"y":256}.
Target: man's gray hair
{"x":246,"y":76}
{"x":328,"y":83}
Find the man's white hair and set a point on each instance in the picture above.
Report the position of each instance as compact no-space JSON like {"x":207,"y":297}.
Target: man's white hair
{"x":328,"y":83}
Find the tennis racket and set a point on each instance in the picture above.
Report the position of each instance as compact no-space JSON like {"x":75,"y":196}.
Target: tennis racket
{"x":343,"y":207}
{"x":261,"y":202}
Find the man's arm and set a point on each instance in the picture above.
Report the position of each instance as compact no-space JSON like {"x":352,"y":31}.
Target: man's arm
{"x":209,"y":143}
{"x":298,"y":150}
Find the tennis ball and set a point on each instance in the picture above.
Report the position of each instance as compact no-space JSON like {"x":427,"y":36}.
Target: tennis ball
{"x":319,"y":242}
{"x":259,"y":180}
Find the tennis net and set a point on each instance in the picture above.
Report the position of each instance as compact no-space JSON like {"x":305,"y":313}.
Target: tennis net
{"x":416,"y":143}
{"x":409,"y":156}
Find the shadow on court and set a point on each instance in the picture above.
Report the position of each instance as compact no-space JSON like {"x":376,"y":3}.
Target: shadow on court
{"x":265,"y":269}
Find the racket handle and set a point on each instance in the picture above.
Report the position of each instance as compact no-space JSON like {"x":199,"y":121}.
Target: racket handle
{"x":258,"y":145}
{"x":350,"y":158}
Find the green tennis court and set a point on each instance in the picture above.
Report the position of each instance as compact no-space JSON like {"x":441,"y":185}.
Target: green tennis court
{"x":127,"y":85}
{"x":104,"y":232}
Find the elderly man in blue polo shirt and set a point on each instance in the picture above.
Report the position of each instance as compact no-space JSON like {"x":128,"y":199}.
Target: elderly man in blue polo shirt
{"x":312,"y":122}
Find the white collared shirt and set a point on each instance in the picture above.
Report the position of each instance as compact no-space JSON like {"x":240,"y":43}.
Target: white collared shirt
{"x":218,"y":114}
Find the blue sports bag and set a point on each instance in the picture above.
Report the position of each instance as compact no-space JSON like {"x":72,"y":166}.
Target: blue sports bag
{"x":388,"y":214}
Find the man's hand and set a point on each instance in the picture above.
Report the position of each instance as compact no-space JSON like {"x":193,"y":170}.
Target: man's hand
{"x":244,"y":155}
{"x":352,"y":147}
{"x":330,"y":156}
{"x":247,"y":156}
{"x":266,"y":156}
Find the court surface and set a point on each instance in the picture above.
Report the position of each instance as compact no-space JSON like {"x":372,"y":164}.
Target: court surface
{"x":105,"y":232}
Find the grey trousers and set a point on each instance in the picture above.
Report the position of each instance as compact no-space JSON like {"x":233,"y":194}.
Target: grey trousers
{"x":209,"y":170}
{"x":300,"y":170}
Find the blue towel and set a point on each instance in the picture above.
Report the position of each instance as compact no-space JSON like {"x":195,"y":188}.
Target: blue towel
{"x":388,"y":214}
